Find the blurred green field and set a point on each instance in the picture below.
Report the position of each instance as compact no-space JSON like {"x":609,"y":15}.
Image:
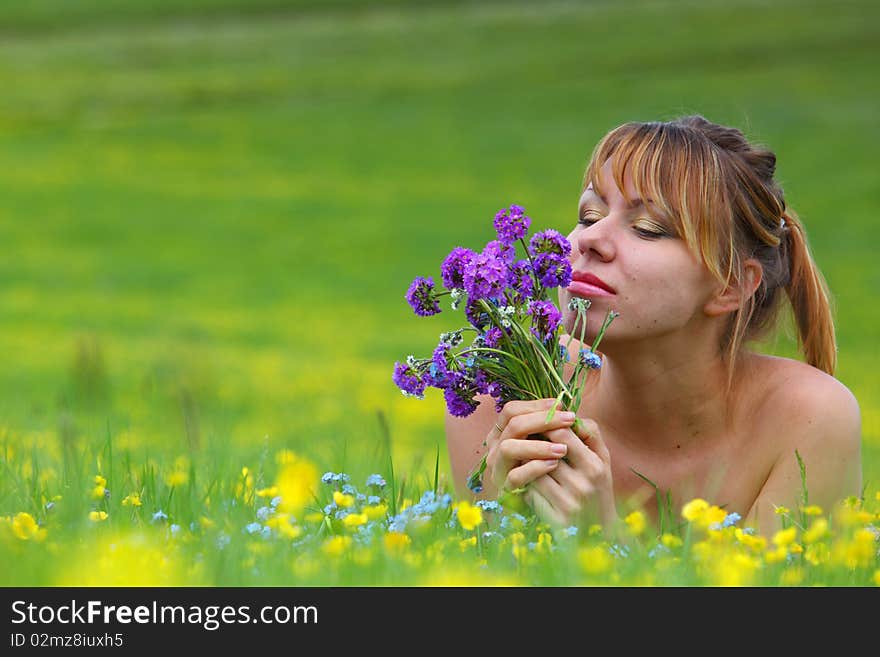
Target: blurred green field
{"x":210,"y":213}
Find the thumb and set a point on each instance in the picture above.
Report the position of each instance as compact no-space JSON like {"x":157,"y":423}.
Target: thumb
{"x":588,"y":431}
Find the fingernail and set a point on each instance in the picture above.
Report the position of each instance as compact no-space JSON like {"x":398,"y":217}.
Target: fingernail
{"x":567,"y":416}
{"x":551,"y":462}
{"x":558,"y":449}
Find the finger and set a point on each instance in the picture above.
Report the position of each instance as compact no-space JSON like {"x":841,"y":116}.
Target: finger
{"x":520,"y":427}
{"x":577,"y":453}
{"x":518,"y":407}
{"x":572,"y":482}
{"x":515,"y":451}
{"x":535,"y":422}
{"x":559,"y":496}
{"x":523,"y":475}
{"x":588,"y":431}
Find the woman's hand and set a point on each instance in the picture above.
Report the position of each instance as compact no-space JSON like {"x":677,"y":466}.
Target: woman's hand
{"x":580,"y":488}
{"x":512,"y":460}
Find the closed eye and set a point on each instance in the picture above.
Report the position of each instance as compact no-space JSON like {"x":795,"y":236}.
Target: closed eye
{"x":648,"y":229}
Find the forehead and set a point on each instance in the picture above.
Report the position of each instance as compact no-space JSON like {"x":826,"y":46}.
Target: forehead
{"x":605,"y":194}
{"x":608,"y":186}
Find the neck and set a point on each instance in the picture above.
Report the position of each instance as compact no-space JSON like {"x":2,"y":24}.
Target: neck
{"x":662,"y":395}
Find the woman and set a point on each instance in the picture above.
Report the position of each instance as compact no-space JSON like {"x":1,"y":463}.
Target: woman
{"x":683,"y":231}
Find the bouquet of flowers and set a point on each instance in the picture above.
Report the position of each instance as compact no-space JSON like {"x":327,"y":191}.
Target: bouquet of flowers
{"x":515,"y":351}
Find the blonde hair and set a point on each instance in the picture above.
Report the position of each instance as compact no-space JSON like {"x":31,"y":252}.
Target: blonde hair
{"x":719,"y":191}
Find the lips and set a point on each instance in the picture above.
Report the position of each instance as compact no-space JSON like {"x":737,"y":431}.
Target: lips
{"x":590,"y":280}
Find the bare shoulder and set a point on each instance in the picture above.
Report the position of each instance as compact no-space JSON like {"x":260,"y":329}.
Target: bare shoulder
{"x":804,"y":399}
{"x":813,"y":419}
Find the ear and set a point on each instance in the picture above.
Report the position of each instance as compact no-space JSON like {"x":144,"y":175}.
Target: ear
{"x":728,"y":299}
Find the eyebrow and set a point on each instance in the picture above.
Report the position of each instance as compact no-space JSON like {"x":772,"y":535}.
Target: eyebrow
{"x":631,"y":205}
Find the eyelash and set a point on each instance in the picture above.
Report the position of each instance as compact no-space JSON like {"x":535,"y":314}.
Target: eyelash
{"x":583,"y":221}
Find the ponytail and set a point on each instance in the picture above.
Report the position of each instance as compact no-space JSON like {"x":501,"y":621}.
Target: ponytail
{"x":809,"y":297}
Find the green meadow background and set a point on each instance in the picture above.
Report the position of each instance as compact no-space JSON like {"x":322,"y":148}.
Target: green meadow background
{"x":210,"y":211}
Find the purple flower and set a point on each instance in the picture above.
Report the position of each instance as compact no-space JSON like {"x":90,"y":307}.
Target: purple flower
{"x":460,"y":396}
{"x":592,"y":360}
{"x":500,"y":394}
{"x":553,"y":270}
{"x":545,"y":319}
{"x":481,"y":382}
{"x":485,"y":276}
{"x":408,"y":380}
{"x":501,"y":251}
{"x":521,"y":282}
{"x":422,"y":296}
{"x":452,"y":269}
{"x":549,"y":241}
{"x":492,"y":337}
{"x":439,"y":368}
{"x":511,"y":225}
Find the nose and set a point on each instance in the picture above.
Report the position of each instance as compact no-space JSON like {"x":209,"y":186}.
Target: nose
{"x":595,"y":240}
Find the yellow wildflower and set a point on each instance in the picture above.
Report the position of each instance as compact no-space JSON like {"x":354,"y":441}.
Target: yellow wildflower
{"x":466,"y":543}
{"x":859,"y":552}
{"x":784,"y":537}
{"x":812,"y":510}
{"x":817,"y":531}
{"x":796,"y":548}
{"x":99,"y":488}
{"x":877,"y":572}
{"x":26,"y":528}
{"x":851,"y":516}
{"x":594,"y":530}
{"x":280,"y":522}
{"x":177,"y":478}
{"x":315,"y":516}
{"x":97,"y":516}
{"x":396,"y":541}
{"x":852,"y":501}
{"x":336,"y":545}
{"x":375,"y":511}
{"x":671,"y":541}
{"x":272,"y":491}
{"x":595,"y":560}
{"x":776,"y":555}
{"x":469,"y":516}
{"x":714,"y":515}
{"x":544,"y":542}
{"x":355,"y":519}
{"x":755,"y":542}
{"x":817,"y":554}
{"x":133,"y":499}
{"x":296,"y":481}
{"x":206,"y":523}
{"x":694,"y":509}
{"x":343,"y":500}
{"x":782,"y":511}
{"x":736,"y":569}
{"x":518,"y":546}
{"x":635,"y":523}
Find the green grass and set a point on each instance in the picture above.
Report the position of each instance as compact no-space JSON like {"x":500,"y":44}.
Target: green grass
{"x":210,"y":222}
